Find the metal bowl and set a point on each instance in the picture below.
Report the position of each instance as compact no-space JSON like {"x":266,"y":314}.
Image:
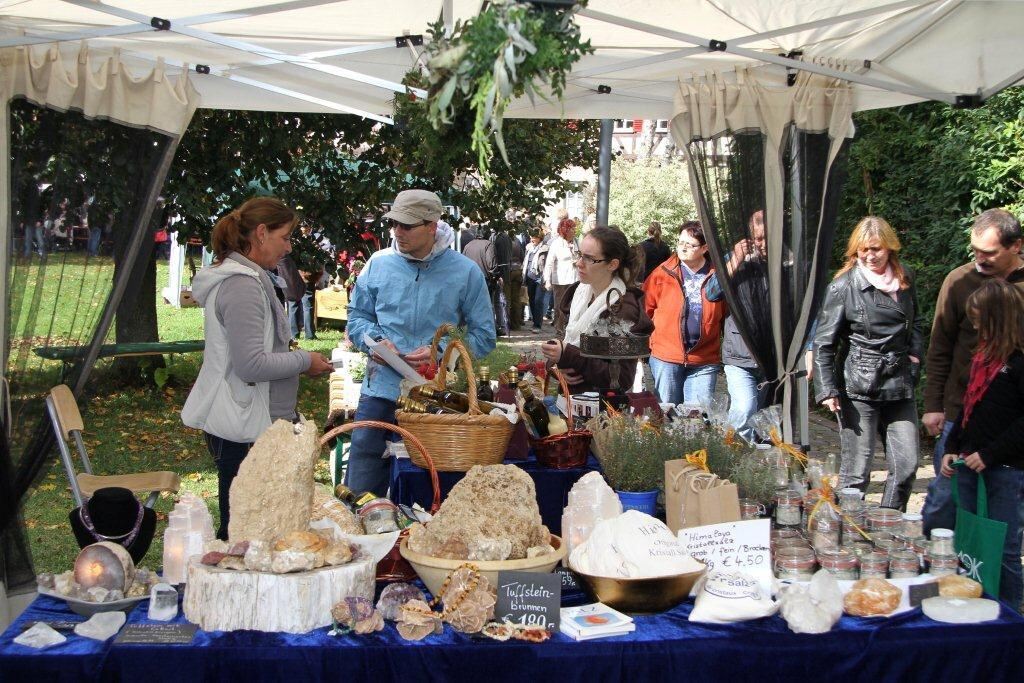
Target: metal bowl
{"x":642,"y":596}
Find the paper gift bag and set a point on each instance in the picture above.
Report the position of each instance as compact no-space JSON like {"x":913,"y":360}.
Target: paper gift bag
{"x":708,"y":500}
{"x":675,"y":482}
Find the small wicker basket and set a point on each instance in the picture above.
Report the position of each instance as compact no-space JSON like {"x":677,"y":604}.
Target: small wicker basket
{"x":563,"y":451}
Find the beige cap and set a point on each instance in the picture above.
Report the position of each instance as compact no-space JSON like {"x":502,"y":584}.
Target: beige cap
{"x":415,"y":206}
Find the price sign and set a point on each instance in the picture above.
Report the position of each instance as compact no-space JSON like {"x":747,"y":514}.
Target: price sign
{"x":569,"y":582}
{"x":733,"y":546}
{"x":157,"y":634}
{"x":530,"y":599}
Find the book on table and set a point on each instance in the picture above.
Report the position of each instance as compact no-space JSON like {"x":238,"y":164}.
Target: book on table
{"x":595,"y":620}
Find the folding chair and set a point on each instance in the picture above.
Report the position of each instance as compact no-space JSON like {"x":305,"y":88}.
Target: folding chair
{"x":67,"y":426}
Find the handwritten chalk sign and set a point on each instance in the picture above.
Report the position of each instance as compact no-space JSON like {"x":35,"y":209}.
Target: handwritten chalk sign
{"x":157,"y":634}
{"x":529,"y":598}
{"x":733,"y":546}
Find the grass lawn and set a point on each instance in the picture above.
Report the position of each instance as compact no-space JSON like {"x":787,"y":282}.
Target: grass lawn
{"x":140,"y":430}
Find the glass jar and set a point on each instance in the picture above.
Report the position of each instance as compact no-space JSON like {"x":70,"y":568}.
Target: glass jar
{"x":853,"y":524}
{"x":919,"y":546}
{"x":912,"y":524}
{"x":884,"y":519}
{"x":874,"y":565}
{"x":842,"y":563}
{"x":943,"y":565}
{"x":751,"y":509}
{"x":850,"y":500}
{"x":903,"y":564}
{"x":787,"y":509}
{"x":824,"y":532}
{"x":795,"y":563}
{"x":861,"y":548}
{"x":378,"y":516}
{"x":794,"y":542}
{"x":779,"y":534}
{"x":942,"y":542}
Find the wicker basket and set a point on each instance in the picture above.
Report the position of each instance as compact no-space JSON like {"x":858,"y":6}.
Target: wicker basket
{"x":563,"y":451}
{"x":460,"y":441}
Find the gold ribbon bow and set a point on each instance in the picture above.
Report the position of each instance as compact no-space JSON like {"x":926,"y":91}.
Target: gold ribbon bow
{"x":787,"y":448}
{"x":699,"y":459}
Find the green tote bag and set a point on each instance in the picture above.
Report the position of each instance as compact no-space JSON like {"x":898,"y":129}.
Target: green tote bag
{"x":979,"y":540}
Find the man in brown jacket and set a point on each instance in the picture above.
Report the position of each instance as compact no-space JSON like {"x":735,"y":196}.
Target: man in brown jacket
{"x":996,"y":242}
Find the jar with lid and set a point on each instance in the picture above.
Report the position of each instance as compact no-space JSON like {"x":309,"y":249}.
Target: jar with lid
{"x":793,"y":542}
{"x":942,"y":542}
{"x":853,"y":525}
{"x":943,"y":565}
{"x":903,"y":564}
{"x":825,"y":529}
{"x":795,"y":563}
{"x":842,"y":563}
{"x":787,"y":509}
{"x":884,"y":519}
{"x":851,"y":500}
{"x":378,"y":516}
{"x":874,"y":565}
{"x":912,"y":524}
{"x":860,"y":547}
{"x":751,"y":509}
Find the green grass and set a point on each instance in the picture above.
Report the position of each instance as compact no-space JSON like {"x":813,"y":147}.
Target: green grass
{"x":140,"y":429}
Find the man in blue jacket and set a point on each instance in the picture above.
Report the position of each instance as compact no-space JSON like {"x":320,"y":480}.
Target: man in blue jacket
{"x":400,"y":298}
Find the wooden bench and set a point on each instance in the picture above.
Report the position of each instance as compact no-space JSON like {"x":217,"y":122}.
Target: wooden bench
{"x":70,"y":354}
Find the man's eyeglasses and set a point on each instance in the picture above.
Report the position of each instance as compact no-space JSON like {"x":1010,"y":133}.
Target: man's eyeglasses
{"x":404,"y":226}
{"x":688,"y":246}
{"x":589,"y":260}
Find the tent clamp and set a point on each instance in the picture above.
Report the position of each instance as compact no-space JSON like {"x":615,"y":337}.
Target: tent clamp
{"x":795,"y":55}
{"x":604,"y":89}
{"x":967,"y":102}
{"x":716,"y":45}
{"x":202,"y":69}
{"x":413,"y":39}
{"x":160,"y":24}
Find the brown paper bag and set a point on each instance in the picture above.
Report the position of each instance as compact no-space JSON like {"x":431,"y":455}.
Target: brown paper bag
{"x":716,"y":504}
{"x":675,"y":484}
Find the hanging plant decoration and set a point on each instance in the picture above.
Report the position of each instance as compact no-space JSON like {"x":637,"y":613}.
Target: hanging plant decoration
{"x":508,"y":50}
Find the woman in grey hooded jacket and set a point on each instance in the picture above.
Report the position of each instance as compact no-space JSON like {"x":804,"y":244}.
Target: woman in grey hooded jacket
{"x":249,"y":377}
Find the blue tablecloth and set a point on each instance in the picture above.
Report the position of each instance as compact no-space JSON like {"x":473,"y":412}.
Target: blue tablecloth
{"x":664,"y":647}
{"x":411,"y":484}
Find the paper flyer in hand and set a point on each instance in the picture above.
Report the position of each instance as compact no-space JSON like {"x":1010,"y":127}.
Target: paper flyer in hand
{"x":393,"y":359}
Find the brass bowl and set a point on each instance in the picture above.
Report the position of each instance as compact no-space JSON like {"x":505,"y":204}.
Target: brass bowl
{"x":434,"y":570}
{"x":642,"y":596}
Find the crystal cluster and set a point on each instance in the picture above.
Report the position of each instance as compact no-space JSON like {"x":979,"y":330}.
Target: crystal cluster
{"x":64,"y":585}
{"x":814,"y":608}
{"x":394,"y":596}
{"x":591,"y":500}
{"x":358,"y":615}
{"x":189,"y":526}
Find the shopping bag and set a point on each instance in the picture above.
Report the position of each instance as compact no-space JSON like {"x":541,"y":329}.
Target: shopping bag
{"x":675,"y":478}
{"x":979,"y":540}
{"x":696,"y":497}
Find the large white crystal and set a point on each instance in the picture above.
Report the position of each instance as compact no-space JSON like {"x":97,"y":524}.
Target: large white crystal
{"x":960,"y":610}
{"x":101,"y":625}
{"x":40,"y":636}
{"x":814,"y":608}
{"x":163,"y":602}
{"x":591,"y":500}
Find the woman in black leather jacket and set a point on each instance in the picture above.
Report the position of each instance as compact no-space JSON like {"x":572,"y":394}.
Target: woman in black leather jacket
{"x":867,"y":350}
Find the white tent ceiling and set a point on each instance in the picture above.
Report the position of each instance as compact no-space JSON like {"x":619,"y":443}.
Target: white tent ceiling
{"x":340,"y":56}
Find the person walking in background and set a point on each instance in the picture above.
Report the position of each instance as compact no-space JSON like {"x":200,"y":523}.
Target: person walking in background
{"x":685,"y":302}
{"x":996,"y":242}
{"x":988,"y":433}
{"x":533,"y":268}
{"x":656,"y":251}
{"x":870,"y":316}
{"x":560,"y":269}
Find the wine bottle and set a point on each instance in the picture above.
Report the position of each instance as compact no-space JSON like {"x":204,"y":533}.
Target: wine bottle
{"x":484,"y":393}
{"x":507,"y":392}
{"x":452,"y":400}
{"x":353,"y":499}
{"x":535,"y":409}
{"x":413,"y":406}
{"x":556,"y":423}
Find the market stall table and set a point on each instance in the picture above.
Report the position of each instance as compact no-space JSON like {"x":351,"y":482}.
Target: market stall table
{"x":663,"y":647}
{"x":411,"y":484}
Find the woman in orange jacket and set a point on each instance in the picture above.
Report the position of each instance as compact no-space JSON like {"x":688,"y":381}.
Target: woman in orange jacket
{"x":683,"y":298}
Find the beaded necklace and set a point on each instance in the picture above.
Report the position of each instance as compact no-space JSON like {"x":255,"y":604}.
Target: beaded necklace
{"x":129,"y":537}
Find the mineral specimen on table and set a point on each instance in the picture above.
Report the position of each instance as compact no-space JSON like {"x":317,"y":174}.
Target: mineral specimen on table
{"x":416,"y":621}
{"x":238,"y":549}
{"x":956,"y":586}
{"x":163,"y":602}
{"x":287,"y":561}
{"x":337,"y":553}
{"x":46,"y":581}
{"x":213,"y":557}
{"x":960,"y":610}
{"x":114,"y":596}
{"x":104,"y":564}
{"x":326,"y":506}
{"x":97,"y":594}
{"x":64,"y":583}
{"x":469,"y":601}
{"x":258,"y":557}
{"x":358,"y":615}
{"x":490,"y":549}
{"x":216,"y":546}
{"x":232,"y":562}
{"x":814,"y":608}
{"x":872,"y":598}
{"x":40,"y":636}
{"x":394,"y":596}
{"x":271,"y":495}
{"x":538,"y":550}
{"x":490,"y":502}
{"x":102,"y":625}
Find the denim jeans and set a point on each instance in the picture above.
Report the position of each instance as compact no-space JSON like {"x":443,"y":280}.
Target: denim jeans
{"x":367,"y":469}
{"x":535,"y":290}
{"x":1005,"y":486}
{"x":300,"y":314}
{"x":678,"y":383}
{"x":895,"y":424}
{"x":939,"y":511}
{"x":744,"y":398}
{"x":228,"y":456}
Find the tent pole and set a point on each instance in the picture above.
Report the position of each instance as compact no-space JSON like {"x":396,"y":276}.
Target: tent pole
{"x":140,"y":234}
{"x":6,"y":224}
{"x":604,"y":170}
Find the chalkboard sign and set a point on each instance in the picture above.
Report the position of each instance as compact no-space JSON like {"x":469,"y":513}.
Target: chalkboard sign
{"x":921,"y":591}
{"x":157,"y":634}
{"x":529,"y":598}
{"x":569,"y":582}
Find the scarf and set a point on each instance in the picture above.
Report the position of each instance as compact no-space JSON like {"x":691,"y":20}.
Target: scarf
{"x":886,"y":282}
{"x":983,"y":371}
{"x":583,"y":313}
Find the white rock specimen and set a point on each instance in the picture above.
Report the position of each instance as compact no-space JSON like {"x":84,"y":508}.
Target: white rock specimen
{"x":286,"y":561}
{"x":490,"y":549}
{"x":258,"y":557}
{"x":490,"y":502}
{"x":960,"y":610}
{"x":814,"y":608}
{"x":102,"y":625}
{"x":271,"y":495}
{"x":40,"y":636}
{"x":163,"y":602}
